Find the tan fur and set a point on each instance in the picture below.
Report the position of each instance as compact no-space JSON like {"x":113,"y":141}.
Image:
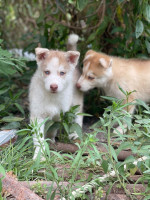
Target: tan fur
{"x":129,"y":74}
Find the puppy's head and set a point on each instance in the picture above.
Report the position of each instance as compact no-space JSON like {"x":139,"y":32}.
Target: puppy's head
{"x":56,"y":67}
{"x":97,"y":70}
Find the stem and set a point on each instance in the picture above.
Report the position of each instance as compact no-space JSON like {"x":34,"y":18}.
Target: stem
{"x":112,"y":160}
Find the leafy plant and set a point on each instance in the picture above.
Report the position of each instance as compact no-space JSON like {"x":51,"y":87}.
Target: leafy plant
{"x":19,"y":157}
{"x":2,"y":175}
{"x":66,"y":125}
{"x":137,"y":139}
{"x":115,"y":27}
{"x":10,"y":68}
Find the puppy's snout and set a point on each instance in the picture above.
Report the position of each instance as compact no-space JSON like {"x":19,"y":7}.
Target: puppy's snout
{"x":78,"y":85}
{"x":53,"y":87}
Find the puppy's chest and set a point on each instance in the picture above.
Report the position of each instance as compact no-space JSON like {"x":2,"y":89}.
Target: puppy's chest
{"x":54,"y":105}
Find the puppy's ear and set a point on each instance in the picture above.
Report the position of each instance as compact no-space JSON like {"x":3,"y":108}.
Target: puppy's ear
{"x":72,"y":57}
{"x":90,"y":52}
{"x":106,"y":63}
{"x":41,"y":53}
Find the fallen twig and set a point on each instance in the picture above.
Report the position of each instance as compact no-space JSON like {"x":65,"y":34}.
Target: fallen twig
{"x":116,"y":192}
{"x":118,"y":197}
{"x":15,"y":188}
{"x":72,"y":148}
{"x":133,"y":188}
{"x":94,"y":183}
{"x":137,"y":178}
{"x":48,"y":184}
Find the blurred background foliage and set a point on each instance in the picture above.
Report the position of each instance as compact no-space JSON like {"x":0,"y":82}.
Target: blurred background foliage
{"x":119,"y":27}
{"x":116,"y":27}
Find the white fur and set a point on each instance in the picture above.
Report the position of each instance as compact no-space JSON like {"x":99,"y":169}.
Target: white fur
{"x":76,"y":55}
{"x":87,"y":66}
{"x":44,"y":103}
{"x":86,"y":84}
{"x":103,"y":62}
{"x":73,"y":39}
{"x":87,"y":57}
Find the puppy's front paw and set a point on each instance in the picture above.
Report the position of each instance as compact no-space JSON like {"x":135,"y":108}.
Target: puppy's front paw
{"x":73,"y":136}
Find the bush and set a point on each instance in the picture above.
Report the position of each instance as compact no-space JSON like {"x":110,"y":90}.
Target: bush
{"x":10,"y":69}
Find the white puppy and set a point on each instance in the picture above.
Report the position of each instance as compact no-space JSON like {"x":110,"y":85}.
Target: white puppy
{"x":53,"y":87}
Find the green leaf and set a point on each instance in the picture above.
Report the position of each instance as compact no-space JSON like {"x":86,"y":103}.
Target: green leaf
{"x":143,"y":121}
{"x":2,"y":107}
{"x":11,"y":125}
{"x":77,"y":158}
{"x":6,"y":69}
{"x":123,"y":146}
{"x":53,"y":195}
{"x":66,"y":127}
{"x":129,"y":159}
{"x":54,"y":172}
{"x":105,"y":166}
{"x":74,"y":109}
{"x":101,"y":29}
{"x":76,"y":128}
{"x":116,"y":30}
{"x":109,"y":98}
{"x":121,"y":89}
{"x":49,"y":124}
{"x":19,"y":108}
{"x":113,"y":153}
{"x":81,"y":4}
{"x":142,"y":103}
{"x":0,"y":189}
{"x":49,"y":193}
{"x":2,"y":170}
{"x":58,"y":155}
{"x":4,"y":90}
{"x":139,"y":28}
{"x":147,"y":171}
{"x":147,"y":12}
{"x":147,"y":43}
{"x":61,"y":4}
{"x":85,"y":114}
{"x":11,"y":119}
{"x":133,"y":170}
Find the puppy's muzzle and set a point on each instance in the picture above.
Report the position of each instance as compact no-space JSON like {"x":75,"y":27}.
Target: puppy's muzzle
{"x":78,"y":85}
{"x":53,"y":87}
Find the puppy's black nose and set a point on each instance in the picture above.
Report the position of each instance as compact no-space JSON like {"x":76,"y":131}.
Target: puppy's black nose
{"x":53,"y":87}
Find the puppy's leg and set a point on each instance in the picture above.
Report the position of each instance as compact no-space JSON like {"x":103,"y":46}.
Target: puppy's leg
{"x":38,"y":138}
{"x":78,"y":100}
{"x":129,"y":109}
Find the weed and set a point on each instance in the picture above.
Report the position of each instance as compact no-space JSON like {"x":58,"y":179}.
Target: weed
{"x":18,"y":158}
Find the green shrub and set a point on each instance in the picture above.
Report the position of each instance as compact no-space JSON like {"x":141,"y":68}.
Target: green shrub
{"x":10,"y":69}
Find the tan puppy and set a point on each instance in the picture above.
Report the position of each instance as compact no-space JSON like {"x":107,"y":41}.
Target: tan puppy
{"x":107,"y":72}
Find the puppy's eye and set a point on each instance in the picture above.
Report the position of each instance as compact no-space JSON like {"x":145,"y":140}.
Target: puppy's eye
{"x":47,"y":72}
{"x":62,"y":73}
{"x":90,"y":78}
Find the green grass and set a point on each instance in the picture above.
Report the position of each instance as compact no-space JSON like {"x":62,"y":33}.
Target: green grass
{"x":18,"y":157}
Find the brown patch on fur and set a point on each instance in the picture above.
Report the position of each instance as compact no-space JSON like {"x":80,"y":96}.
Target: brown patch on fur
{"x":130,"y":74}
{"x":95,"y":66}
{"x":58,"y":54}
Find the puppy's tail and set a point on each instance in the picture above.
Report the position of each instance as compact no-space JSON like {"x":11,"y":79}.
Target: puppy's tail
{"x":72,"y":42}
